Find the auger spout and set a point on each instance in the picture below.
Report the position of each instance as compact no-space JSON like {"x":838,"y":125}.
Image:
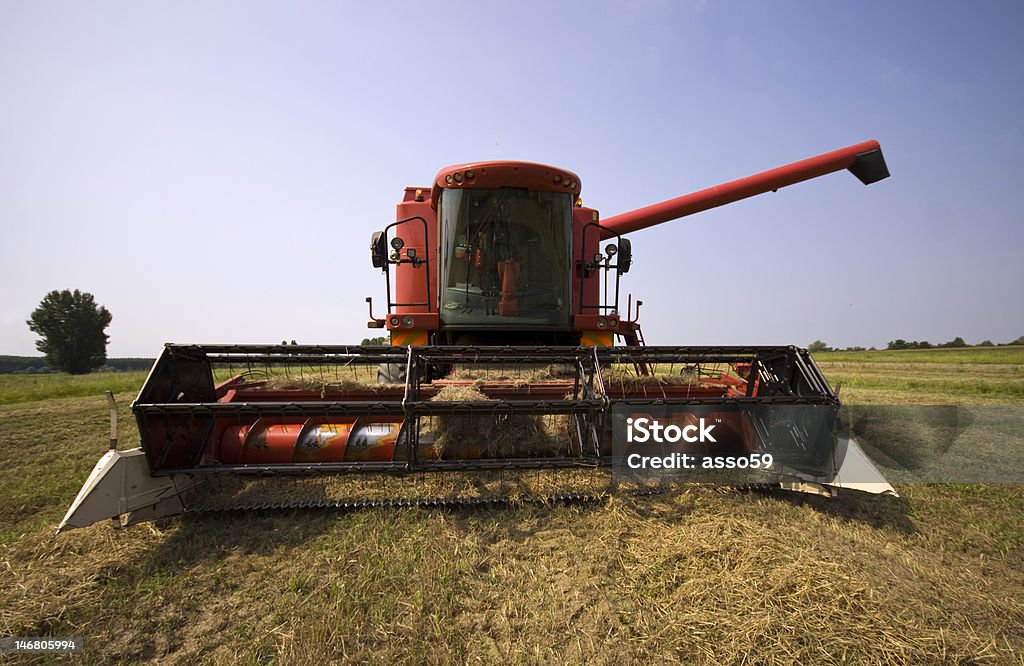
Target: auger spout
{"x":864,"y":160}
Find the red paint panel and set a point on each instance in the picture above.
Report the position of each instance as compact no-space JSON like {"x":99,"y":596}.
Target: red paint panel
{"x":410,"y":282}
{"x":581,"y":217}
{"x":493,"y":175}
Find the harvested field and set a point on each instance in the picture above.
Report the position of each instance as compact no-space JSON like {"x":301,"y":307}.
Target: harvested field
{"x":696,"y":574}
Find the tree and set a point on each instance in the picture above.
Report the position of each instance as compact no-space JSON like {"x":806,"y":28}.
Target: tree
{"x":374,"y":342}
{"x":71,"y":325}
{"x":900,"y":343}
{"x":818,"y":347}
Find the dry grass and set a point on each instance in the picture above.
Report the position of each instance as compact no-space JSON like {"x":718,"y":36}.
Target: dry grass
{"x":694,"y":576}
{"x":621,"y":377}
{"x":497,"y":372}
{"x":493,"y":435}
{"x":319,"y":384}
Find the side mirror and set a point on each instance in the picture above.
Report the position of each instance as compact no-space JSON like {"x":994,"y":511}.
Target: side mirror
{"x":379,"y":250}
{"x":625,"y":255}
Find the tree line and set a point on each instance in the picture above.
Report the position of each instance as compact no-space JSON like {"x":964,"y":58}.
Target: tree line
{"x":819,"y":346}
{"x":36,"y":365}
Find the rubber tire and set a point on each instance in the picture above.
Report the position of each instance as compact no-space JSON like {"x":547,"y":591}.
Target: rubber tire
{"x":390,"y":373}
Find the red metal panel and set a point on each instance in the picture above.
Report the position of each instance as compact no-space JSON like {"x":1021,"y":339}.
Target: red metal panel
{"x":589,"y":322}
{"x":581,"y":217}
{"x":538,"y":177}
{"x":420,"y":320}
{"x":411,"y":282}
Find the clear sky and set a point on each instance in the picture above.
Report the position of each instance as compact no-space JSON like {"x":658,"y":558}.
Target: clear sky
{"x":212,"y":171}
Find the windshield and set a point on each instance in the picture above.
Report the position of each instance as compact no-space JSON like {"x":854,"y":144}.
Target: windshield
{"x":506,"y":257}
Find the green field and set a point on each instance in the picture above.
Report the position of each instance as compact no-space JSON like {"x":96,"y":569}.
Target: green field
{"x":973,"y":376}
{"x":29,"y":388}
{"x":698,"y":575}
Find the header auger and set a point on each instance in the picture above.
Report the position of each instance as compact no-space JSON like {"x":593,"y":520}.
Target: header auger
{"x":501,"y":380}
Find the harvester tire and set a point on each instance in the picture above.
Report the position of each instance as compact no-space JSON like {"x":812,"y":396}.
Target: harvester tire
{"x":390,"y":373}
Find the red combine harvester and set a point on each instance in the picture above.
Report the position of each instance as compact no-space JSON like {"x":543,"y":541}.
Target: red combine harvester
{"x":501,"y":381}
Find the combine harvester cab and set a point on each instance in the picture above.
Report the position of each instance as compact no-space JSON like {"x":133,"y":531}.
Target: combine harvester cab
{"x":501,"y":380}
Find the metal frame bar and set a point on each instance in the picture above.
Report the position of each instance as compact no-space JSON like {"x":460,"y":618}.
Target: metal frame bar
{"x":392,"y":262}
{"x":607,"y":266}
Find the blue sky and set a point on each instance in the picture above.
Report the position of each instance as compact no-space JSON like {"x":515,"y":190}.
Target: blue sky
{"x":212,"y":171}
